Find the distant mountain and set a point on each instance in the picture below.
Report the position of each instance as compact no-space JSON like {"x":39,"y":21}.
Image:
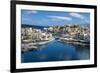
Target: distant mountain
{"x":42,"y":27}
{"x":34,"y":26}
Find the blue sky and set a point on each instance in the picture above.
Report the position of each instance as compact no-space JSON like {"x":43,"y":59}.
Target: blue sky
{"x":53,"y":18}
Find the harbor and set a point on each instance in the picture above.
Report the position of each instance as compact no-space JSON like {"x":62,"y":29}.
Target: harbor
{"x":33,"y":38}
{"x":55,"y":43}
{"x":57,"y":51}
{"x":54,"y":36}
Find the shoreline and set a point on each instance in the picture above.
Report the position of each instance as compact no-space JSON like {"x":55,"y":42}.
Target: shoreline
{"x":34,"y":46}
{"x":74,"y":41}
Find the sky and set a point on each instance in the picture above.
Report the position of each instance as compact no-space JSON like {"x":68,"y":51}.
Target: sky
{"x":54,"y":18}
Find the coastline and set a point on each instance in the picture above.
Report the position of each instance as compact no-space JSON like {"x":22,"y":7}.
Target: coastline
{"x":34,"y":46}
{"x":74,"y":41}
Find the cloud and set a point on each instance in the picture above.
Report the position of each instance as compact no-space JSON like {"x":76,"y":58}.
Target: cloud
{"x":33,"y":11}
{"x":26,"y":19}
{"x":77,"y":15}
{"x":87,"y":21}
{"x":61,"y":18}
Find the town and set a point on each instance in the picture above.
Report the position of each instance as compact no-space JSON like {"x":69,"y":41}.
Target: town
{"x":32,"y":38}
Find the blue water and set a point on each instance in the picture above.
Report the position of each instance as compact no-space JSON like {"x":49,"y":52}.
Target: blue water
{"x":56,"y":51}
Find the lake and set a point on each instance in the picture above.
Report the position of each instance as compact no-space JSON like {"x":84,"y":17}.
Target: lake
{"x":56,"y":51}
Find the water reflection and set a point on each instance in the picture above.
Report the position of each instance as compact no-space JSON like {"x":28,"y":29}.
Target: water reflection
{"x":83,"y":51}
{"x":57,"y":51}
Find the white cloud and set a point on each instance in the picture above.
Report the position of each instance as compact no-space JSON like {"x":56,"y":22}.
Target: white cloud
{"x":29,"y":12}
{"x":61,"y":18}
{"x":87,"y":21}
{"x":26,"y":19}
{"x":77,"y":15}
